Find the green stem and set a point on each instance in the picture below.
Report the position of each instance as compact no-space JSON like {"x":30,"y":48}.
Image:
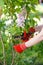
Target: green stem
{"x":4,"y":62}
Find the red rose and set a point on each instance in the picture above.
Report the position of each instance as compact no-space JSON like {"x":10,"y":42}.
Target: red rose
{"x":24,"y":34}
{"x":32,"y":30}
{"x":25,"y":39}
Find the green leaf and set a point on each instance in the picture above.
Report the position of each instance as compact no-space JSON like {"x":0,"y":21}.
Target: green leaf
{"x":1,"y":3}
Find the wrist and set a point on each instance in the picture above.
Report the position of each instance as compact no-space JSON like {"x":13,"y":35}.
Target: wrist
{"x":41,"y":37}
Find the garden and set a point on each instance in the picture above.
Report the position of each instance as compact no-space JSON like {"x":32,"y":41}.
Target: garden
{"x":16,"y":19}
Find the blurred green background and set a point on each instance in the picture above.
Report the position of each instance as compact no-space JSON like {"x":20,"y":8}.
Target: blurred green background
{"x":8,"y":28}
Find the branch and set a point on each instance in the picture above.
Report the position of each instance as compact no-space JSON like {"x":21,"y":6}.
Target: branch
{"x":12,"y":57}
{"x":4,"y":63}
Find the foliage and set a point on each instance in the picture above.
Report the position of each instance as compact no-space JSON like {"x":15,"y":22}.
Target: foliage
{"x":31,"y":56}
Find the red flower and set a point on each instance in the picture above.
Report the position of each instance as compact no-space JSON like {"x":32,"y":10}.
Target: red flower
{"x":25,"y":39}
{"x":29,"y":34}
{"x":32,"y":30}
{"x":25,"y":34}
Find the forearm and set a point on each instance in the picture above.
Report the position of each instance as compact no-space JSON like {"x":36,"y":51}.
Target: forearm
{"x":38,"y":28}
{"x":34,"y":40}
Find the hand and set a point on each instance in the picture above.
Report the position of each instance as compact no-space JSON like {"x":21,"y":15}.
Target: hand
{"x":41,"y":33}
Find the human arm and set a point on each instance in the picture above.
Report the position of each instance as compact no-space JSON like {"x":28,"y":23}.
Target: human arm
{"x":35,"y":40}
{"x":38,"y":28}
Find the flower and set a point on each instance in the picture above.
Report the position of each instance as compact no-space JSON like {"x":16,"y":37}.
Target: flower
{"x":25,"y":36}
{"x":21,"y":17}
{"x":32,"y":30}
{"x":20,"y":20}
{"x":8,"y":22}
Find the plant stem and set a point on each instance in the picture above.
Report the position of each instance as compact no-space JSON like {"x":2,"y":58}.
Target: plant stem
{"x":4,"y":63}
